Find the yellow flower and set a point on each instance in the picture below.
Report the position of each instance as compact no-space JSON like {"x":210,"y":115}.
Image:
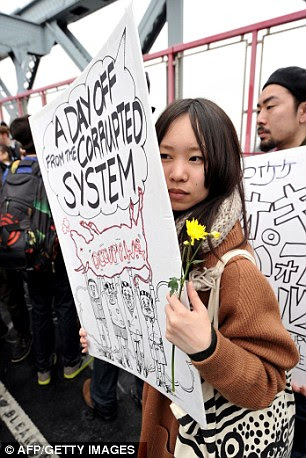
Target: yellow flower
{"x":215,"y":234}
{"x":195,"y":230}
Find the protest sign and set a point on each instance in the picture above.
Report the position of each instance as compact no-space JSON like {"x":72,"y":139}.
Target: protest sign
{"x":100,"y":162}
{"x":276,"y":205}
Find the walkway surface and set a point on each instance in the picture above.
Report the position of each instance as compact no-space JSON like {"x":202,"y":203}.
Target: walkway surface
{"x":57,"y":411}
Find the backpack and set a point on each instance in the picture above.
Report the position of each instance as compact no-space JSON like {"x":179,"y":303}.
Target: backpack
{"x":28,"y":238}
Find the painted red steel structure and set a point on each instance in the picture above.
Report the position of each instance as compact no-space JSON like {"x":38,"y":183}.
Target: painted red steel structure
{"x":173,"y":51}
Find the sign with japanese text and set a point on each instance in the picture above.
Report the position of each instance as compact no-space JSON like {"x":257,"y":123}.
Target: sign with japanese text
{"x":276,"y":205}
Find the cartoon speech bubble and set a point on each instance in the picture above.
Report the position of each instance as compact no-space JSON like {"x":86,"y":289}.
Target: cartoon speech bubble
{"x":94,"y":147}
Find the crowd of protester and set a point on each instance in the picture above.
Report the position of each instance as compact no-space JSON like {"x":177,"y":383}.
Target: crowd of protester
{"x":281,"y":124}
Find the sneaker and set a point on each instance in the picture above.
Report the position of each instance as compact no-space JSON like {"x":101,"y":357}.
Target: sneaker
{"x":11,"y":336}
{"x":87,"y":398}
{"x":8,"y":332}
{"x":21,"y":348}
{"x":44,"y":378}
{"x":71,"y":372}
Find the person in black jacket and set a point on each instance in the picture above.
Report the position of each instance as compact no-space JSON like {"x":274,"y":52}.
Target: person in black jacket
{"x":281,"y":124}
{"x":49,"y":289}
{"x":12,"y":292}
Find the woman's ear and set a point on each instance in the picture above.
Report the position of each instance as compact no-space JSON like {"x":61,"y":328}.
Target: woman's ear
{"x":302,"y":112}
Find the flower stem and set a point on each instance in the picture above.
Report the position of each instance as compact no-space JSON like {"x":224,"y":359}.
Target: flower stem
{"x":195,"y":231}
{"x":172,"y":368}
{"x":182,"y":282}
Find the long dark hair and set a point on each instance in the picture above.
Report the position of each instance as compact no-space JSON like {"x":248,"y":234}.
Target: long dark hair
{"x":218,"y":141}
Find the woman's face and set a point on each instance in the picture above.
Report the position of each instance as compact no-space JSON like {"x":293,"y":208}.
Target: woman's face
{"x":183,"y":165}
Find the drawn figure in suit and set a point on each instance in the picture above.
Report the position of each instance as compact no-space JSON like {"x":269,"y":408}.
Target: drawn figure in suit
{"x":97,"y":306}
{"x":133,"y":320}
{"x":120,"y":331}
{"x":148,"y":308}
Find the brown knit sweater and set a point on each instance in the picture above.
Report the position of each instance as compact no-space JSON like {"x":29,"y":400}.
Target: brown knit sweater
{"x":252,"y":353}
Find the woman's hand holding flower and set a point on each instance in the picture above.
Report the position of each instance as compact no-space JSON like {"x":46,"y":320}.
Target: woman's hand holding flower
{"x":190,"y":330}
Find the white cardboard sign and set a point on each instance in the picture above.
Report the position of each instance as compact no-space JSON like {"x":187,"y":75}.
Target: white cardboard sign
{"x":100,"y":162}
{"x":276,"y":198}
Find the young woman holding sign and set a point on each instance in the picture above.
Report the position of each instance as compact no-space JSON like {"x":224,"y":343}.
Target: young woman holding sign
{"x":244,"y":355}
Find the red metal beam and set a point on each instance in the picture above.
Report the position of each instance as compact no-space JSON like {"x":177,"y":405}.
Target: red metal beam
{"x":173,"y":50}
{"x":252,"y":28}
{"x":185,"y":46}
{"x":247,"y":146}
{"x":171,"y":78}
{"x":24,"y":94}
{"x":43,"y":98}
{"x":230,"y":34}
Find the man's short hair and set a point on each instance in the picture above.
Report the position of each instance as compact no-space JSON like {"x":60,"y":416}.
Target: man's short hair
{"x":4,"y":130}
{"x":21,"y":131}
{"x":292,"y":78}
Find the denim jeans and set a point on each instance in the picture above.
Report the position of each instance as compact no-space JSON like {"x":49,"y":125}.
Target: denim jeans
{"x":48,"y":290}
{"x":103,"y":387}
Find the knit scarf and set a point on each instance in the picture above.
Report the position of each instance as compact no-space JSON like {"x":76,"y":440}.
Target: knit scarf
{"x":227,"y":215}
